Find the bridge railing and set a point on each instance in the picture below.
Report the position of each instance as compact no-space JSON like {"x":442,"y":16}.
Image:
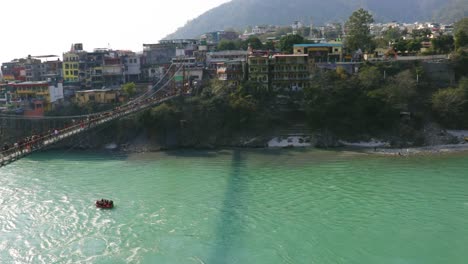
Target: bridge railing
{"x":19,"y":150}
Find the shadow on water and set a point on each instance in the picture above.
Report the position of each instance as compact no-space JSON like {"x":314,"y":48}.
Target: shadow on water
{"x":196,"y":153}
{"x":210,"y":153}
{"x":228,"y":232}
{"x":77,"y":155}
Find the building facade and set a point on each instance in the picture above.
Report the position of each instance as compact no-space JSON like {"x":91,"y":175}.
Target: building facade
{"x":290,"y":72}
{"x":259,"y":70}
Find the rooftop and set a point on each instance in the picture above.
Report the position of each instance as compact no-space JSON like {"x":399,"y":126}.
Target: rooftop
{"x":30,"y":83}
{"x":229,"y":52}
{"x":319,"y":45}
{"x":290,"y":55}
{"x":95,"y":91}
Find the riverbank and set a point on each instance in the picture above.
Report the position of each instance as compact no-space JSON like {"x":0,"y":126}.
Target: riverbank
{"x":305,"y":142}
{"x":427,"y":150}
{"x":437,"y":142}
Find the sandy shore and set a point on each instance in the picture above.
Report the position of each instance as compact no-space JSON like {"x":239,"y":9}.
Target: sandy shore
{"x":438,"y":149}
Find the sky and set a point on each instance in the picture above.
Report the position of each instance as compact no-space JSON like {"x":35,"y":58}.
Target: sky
{"x":49,"y":27}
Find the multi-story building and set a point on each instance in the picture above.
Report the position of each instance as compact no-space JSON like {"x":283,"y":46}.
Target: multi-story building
{"x":157,"y":57}
{"x":70,"y":67}
{"x":259,"y":70}
{"x":165,"y":50}
{"x":213,"y":58}
{"x":321,"y":52}
{"x":97,"y":69}
{"x":233,"y":71}
{"x":186,"y":71}
{"x":91,"y":65}
{"x":26,"y":69}
{"x":289,"y":72}
{"x":99,"y":96}
{"x":37,"y":97}
{"x":112,"y":71}
{"x":51,"y":70}
{"x":6,"y":94}
{"x":31,"y":69}
{"x":14,"y":71}
{"x":216,"y":36}
{"x":132,"y":66}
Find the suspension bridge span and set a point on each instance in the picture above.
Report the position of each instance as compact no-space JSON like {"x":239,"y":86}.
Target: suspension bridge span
{"x":34,"y":143}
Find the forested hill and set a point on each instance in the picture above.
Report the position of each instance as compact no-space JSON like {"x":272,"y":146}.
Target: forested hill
{"x":242,"y":13}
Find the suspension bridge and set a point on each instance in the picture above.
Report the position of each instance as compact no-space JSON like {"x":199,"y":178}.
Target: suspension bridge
{"x":34,"y":143}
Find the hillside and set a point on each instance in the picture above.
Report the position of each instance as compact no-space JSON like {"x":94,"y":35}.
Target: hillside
{"x":242,"y":13}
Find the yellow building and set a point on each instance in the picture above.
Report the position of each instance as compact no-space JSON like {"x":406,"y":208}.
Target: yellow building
{"x":259,"y":70}
{"x":48,"y":93}
{"x":100,"y":96}
{"x":321,"y":52}
{"x":290,"y":72}
{"x":70,"y":67}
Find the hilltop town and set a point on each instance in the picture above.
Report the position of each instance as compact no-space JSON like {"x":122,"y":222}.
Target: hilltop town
{"x":265,"y":76}
{"x":36,"y":84}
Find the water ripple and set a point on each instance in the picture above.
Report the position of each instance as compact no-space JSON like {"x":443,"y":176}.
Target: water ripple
{"x":234,"y":207}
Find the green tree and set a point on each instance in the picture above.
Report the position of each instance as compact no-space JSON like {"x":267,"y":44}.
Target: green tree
{"x":460,"y":62}
{"x":399,"y":91}
{"x":393,"y":33}
{"x":254,"y":42}
{"x":462,"y":25}
{"x":448,"y":104}
{"x":358,"y":31}
{"x":129,"y":89}
{"x":461,"y":39}
{"x":401,"y":45}
{"x":227,"y":45}
{"x":269,"y":45}
{"x":422,"y":34}
{"x":287,"y":42}
{"x":414,"y":45}
{"x":443,"y":44}
{"x":370,"y":77}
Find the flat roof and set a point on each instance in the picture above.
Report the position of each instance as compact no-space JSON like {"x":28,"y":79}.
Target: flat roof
{"x":290,"y":55}
{"x":319,"y":45}
{"x":94,"y":90}
{"x":30,"y":83}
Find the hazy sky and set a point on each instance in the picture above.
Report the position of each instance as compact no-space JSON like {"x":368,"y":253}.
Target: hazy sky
{"x":40,"y":27}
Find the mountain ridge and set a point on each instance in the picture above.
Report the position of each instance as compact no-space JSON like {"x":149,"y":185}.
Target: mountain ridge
{"x":240,"y":14}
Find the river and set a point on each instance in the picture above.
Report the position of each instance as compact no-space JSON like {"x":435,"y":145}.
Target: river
{"x":235,"y":206}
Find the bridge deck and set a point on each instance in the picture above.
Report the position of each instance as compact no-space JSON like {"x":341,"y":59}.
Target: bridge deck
{"x":21,"y":151}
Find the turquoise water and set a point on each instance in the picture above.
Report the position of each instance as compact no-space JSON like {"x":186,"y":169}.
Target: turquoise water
{"x":235,"y":206}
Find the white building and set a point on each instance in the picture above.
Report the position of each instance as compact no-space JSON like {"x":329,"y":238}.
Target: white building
{"x":55,"y":92}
